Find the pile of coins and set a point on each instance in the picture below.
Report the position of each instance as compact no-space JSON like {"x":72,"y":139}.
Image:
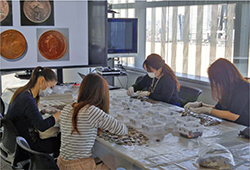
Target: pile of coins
{"x":52,"y":109}
{"x":49,"y":110}
{"x":204,"y":119}
{"x":217,"y":162}
{"x":60,"y":107}
{"x":133,"y":137}
{"x":145,"y":99}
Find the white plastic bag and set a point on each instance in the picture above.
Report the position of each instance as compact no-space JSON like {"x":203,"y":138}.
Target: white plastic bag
{"x":214,"y":155}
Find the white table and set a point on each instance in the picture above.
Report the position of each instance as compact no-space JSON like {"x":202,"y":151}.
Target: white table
{"x":174,"y":152}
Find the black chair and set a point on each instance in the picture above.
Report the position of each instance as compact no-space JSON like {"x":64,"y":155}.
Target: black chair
{"x":2,"y":110}
{"x":38,"y":160}
{"x":189,"y":94}
{"x":2,"y":107}
{"x":8,"y":143}
{"x":8,"y":146}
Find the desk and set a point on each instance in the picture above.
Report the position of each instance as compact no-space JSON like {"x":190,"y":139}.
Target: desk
{"x":174,"y":152}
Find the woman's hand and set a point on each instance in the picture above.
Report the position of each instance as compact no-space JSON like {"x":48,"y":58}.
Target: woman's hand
{"x":193,"y":105}
{"x":130,"y":91}
{"x":199,"y":110}
{"x":142,"y":93}
{"x":57,"y":116}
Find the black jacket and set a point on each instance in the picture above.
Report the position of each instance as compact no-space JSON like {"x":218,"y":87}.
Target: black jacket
{"x":239,"y":102}
{"x":165,"y":90}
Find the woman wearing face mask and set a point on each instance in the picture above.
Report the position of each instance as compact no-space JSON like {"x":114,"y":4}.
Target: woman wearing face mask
{"x":24,"y":114}
{"x":230,"y":90}
{"x":160,"y":83}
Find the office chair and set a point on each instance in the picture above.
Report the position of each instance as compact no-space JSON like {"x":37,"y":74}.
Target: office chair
{"x":8,"y":146}
{"x":189,"y":94}
{"x":1,"y":127}
{"x":38,"y":160}
{"x":8,"y":143}
{"x":2,"y":110}
{"x":2,"y":107}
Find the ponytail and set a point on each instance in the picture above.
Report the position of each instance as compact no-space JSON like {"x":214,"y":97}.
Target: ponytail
{"x":39,"y":71}
{"x":166,"y":70}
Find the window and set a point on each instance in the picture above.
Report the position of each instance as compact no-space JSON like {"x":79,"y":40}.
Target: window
{"x":189,"y":38}
{"x":190,"y":35}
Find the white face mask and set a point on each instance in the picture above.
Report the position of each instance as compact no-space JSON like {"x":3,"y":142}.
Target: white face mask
{"x":151,"y":75}
{"x":45,"y":92}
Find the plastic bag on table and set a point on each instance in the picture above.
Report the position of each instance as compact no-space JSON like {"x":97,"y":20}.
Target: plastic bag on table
{"x":214,"y":155}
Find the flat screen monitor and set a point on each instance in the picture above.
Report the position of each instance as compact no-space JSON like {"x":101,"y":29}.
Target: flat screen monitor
{"x":55,"y":34}
{"x":122,"y":37}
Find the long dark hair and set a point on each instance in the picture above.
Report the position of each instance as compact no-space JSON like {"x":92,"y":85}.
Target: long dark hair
{"x":222,"y":76}
{"x":93,"y":91}
{"x":39,"y":71}
{"x":155,"y":61}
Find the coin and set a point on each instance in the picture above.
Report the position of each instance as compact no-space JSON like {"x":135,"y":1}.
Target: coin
{"x":13,"y":44}
{"x":4,"y":9}
{"x":52,"y":44}
{"x":37,"y":11}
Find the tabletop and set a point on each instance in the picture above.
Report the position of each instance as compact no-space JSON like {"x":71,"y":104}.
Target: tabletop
{"x":173,"y":152}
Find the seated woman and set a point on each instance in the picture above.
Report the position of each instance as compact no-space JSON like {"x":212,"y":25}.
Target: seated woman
{"x":160,"y":83}
{"x":79,"y":124}
{"x":25,"y":116}
{"x":230,"y":90}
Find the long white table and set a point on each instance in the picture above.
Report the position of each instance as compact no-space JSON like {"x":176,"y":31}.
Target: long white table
{"x":174,"y":152}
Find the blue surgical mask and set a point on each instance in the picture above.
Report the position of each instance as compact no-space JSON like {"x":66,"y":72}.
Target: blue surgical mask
{"x":45,"y":92}
{"x":151,"y":75}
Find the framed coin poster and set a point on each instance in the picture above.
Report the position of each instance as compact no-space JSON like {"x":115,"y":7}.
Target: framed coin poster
{"x":55,"y":34}
{"x":37,"y":12}
{"x":6,"y":13}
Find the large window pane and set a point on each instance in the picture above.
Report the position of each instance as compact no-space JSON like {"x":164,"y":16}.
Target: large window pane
{"x":190,"y":47}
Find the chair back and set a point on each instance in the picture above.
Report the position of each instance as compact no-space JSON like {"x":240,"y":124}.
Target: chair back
{"x":189,"y":94}
{"x":2,"y":107}
{"x":9,"y":135}
{"x":38,"y":160}
{"x":8,"y":143}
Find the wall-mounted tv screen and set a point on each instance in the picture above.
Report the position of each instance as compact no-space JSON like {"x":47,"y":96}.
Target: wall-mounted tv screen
{"x":55,"y":34}
{"x":122,"y":37}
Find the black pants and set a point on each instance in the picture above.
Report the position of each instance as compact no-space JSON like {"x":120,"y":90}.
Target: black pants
{"x":49,"y":145}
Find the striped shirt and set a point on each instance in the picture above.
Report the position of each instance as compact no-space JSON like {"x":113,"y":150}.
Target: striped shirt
{"x":75,"y":146}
